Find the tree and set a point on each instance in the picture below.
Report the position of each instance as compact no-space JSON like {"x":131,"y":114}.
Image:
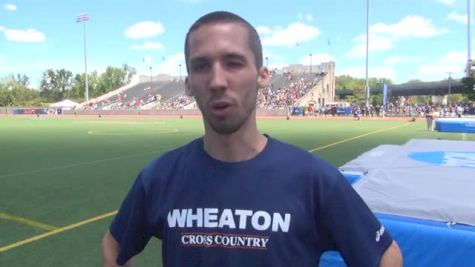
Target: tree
{"x":469,"y":87}
{"x":21,"y":79}
{"x":354,"y":84}
{"x":113,"y":78}
{"x":14,"y":92}
{"x":54,"y":84}
{"x":6,"y":98}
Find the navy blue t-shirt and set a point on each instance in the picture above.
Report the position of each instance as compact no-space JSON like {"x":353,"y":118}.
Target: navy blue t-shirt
{"x":283,"y":207}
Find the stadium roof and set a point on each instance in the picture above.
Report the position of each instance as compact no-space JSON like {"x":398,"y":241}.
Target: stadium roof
{"x":415,"y":88}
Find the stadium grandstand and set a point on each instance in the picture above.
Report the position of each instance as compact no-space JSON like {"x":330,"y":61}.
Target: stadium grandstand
{"x":293,"y":86}
{"x":294,"y":90}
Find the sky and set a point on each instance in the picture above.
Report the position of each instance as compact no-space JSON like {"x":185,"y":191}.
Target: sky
{"x":408,"y":39}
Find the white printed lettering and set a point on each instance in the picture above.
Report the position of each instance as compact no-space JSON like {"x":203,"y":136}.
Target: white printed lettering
{"x":210,"y":218}
{"x":227,"y":219}
{"x":256,"y":218}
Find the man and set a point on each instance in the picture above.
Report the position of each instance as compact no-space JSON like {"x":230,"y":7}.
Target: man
{"x":236,"y":197}
{"x":429,"y":118}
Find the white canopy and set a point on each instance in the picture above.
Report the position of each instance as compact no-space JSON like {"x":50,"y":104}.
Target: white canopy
{"x":65,"y":104}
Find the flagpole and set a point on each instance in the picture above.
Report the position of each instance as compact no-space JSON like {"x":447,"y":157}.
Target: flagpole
{"x":84,"y":18}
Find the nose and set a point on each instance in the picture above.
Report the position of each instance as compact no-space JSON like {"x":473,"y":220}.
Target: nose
{"x":217,"y":77}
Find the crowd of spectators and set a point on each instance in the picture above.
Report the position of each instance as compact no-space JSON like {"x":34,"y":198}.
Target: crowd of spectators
{"x":282,"y":97}
{"x":178,"y":102}
{"x":393,"y":110}
{"x":121,"y":101}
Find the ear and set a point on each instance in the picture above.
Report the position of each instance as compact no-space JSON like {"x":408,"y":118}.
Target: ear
{"x":263,"y":77}
{"x":188,"y":87}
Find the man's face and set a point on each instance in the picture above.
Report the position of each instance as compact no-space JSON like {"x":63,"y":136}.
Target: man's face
{"x":223,"y":77}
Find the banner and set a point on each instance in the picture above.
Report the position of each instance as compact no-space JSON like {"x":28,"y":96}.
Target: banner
{"x":385,"y":96}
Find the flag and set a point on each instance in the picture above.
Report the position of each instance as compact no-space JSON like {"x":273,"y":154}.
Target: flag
{"x":82,"y":17}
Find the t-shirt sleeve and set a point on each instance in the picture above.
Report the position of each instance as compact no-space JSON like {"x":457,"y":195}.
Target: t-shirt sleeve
{"x":355,"y":231}
{"x":130,"y":227}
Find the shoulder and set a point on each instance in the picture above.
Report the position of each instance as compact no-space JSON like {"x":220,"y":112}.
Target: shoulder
{"x":169,"y":161}
{"x":303,"y":161}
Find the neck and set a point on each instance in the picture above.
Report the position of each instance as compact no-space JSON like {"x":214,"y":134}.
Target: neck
{"x":238,"y":146}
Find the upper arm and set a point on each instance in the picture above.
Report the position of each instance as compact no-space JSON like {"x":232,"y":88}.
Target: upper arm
{"x":392,"y":257}
{"x":110,"y":250}
{"x":131,"y":229}
{"x":353,"y":228}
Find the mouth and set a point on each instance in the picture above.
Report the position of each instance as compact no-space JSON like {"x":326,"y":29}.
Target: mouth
{"x":220,"y":108}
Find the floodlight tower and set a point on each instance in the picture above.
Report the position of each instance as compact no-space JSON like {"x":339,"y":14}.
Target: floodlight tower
{"x":84,"y":18}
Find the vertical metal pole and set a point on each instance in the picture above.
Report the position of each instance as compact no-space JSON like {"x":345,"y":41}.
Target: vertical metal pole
{"x":450,"y":85}
{"x":85,"y":63}
{"x":469,"y":38}
{"x":151,"y":77}
{"x":367,"y":49}
{"x":310,"y":62}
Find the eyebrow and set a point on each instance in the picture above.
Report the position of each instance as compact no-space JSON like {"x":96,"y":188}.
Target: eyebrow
{"x":227,"y":56}
{"x":235,"y":56}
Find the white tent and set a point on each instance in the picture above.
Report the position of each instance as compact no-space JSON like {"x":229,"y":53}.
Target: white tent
{"x":65,"y":104}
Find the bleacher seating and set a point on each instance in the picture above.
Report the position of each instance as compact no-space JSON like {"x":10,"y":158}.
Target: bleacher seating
{"x":284,"y":90}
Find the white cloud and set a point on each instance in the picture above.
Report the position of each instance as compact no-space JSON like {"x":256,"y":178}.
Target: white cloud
{"x":376,"y":43}
{"x":294,"y":33}
{"x":383,"y":36}
{"x":147,"y":59}
{"x":27,"y":36}
{"x":453,"y":62}
{"x":306,"y":17}
{"x":454,"y":16}
{"x":263,"y":30}
{"x":171,"y":65}
{"x":148,"y":46}
{"x":395,"y":60}
{"x":144,"y":29}
{"x":2,"y":28}
{"x":373,"y":72}
{"x":10,"y":7}
{"x":316,"y":59}
{"x":446,"y":2}
{"x":410,"y":26}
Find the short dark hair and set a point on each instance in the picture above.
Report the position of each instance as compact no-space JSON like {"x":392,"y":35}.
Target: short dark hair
{"x":227,"y":17}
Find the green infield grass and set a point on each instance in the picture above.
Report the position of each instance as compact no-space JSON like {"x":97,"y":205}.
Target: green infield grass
{"x":63,"y":178}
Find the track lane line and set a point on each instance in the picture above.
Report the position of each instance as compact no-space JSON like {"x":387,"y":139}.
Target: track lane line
{"x":56,"y":231}
{"x":25,"y":221}
{"x":357,"y":137}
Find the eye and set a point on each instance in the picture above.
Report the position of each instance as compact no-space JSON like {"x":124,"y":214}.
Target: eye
{"x":200,"y":66}
{"x":233,"y":64}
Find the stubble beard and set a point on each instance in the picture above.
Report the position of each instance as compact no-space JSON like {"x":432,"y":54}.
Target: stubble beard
{"x":230,"y":124}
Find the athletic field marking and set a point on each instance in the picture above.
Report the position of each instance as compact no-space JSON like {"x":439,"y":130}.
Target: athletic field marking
{"x":100,"y":217}
{"x":357,"y":137}
{"x":77,"y":164}
{"x":28,"y":222}
{"x":123,"y":122}
{"x":56,"y":231}
{"x":120,"y":133}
